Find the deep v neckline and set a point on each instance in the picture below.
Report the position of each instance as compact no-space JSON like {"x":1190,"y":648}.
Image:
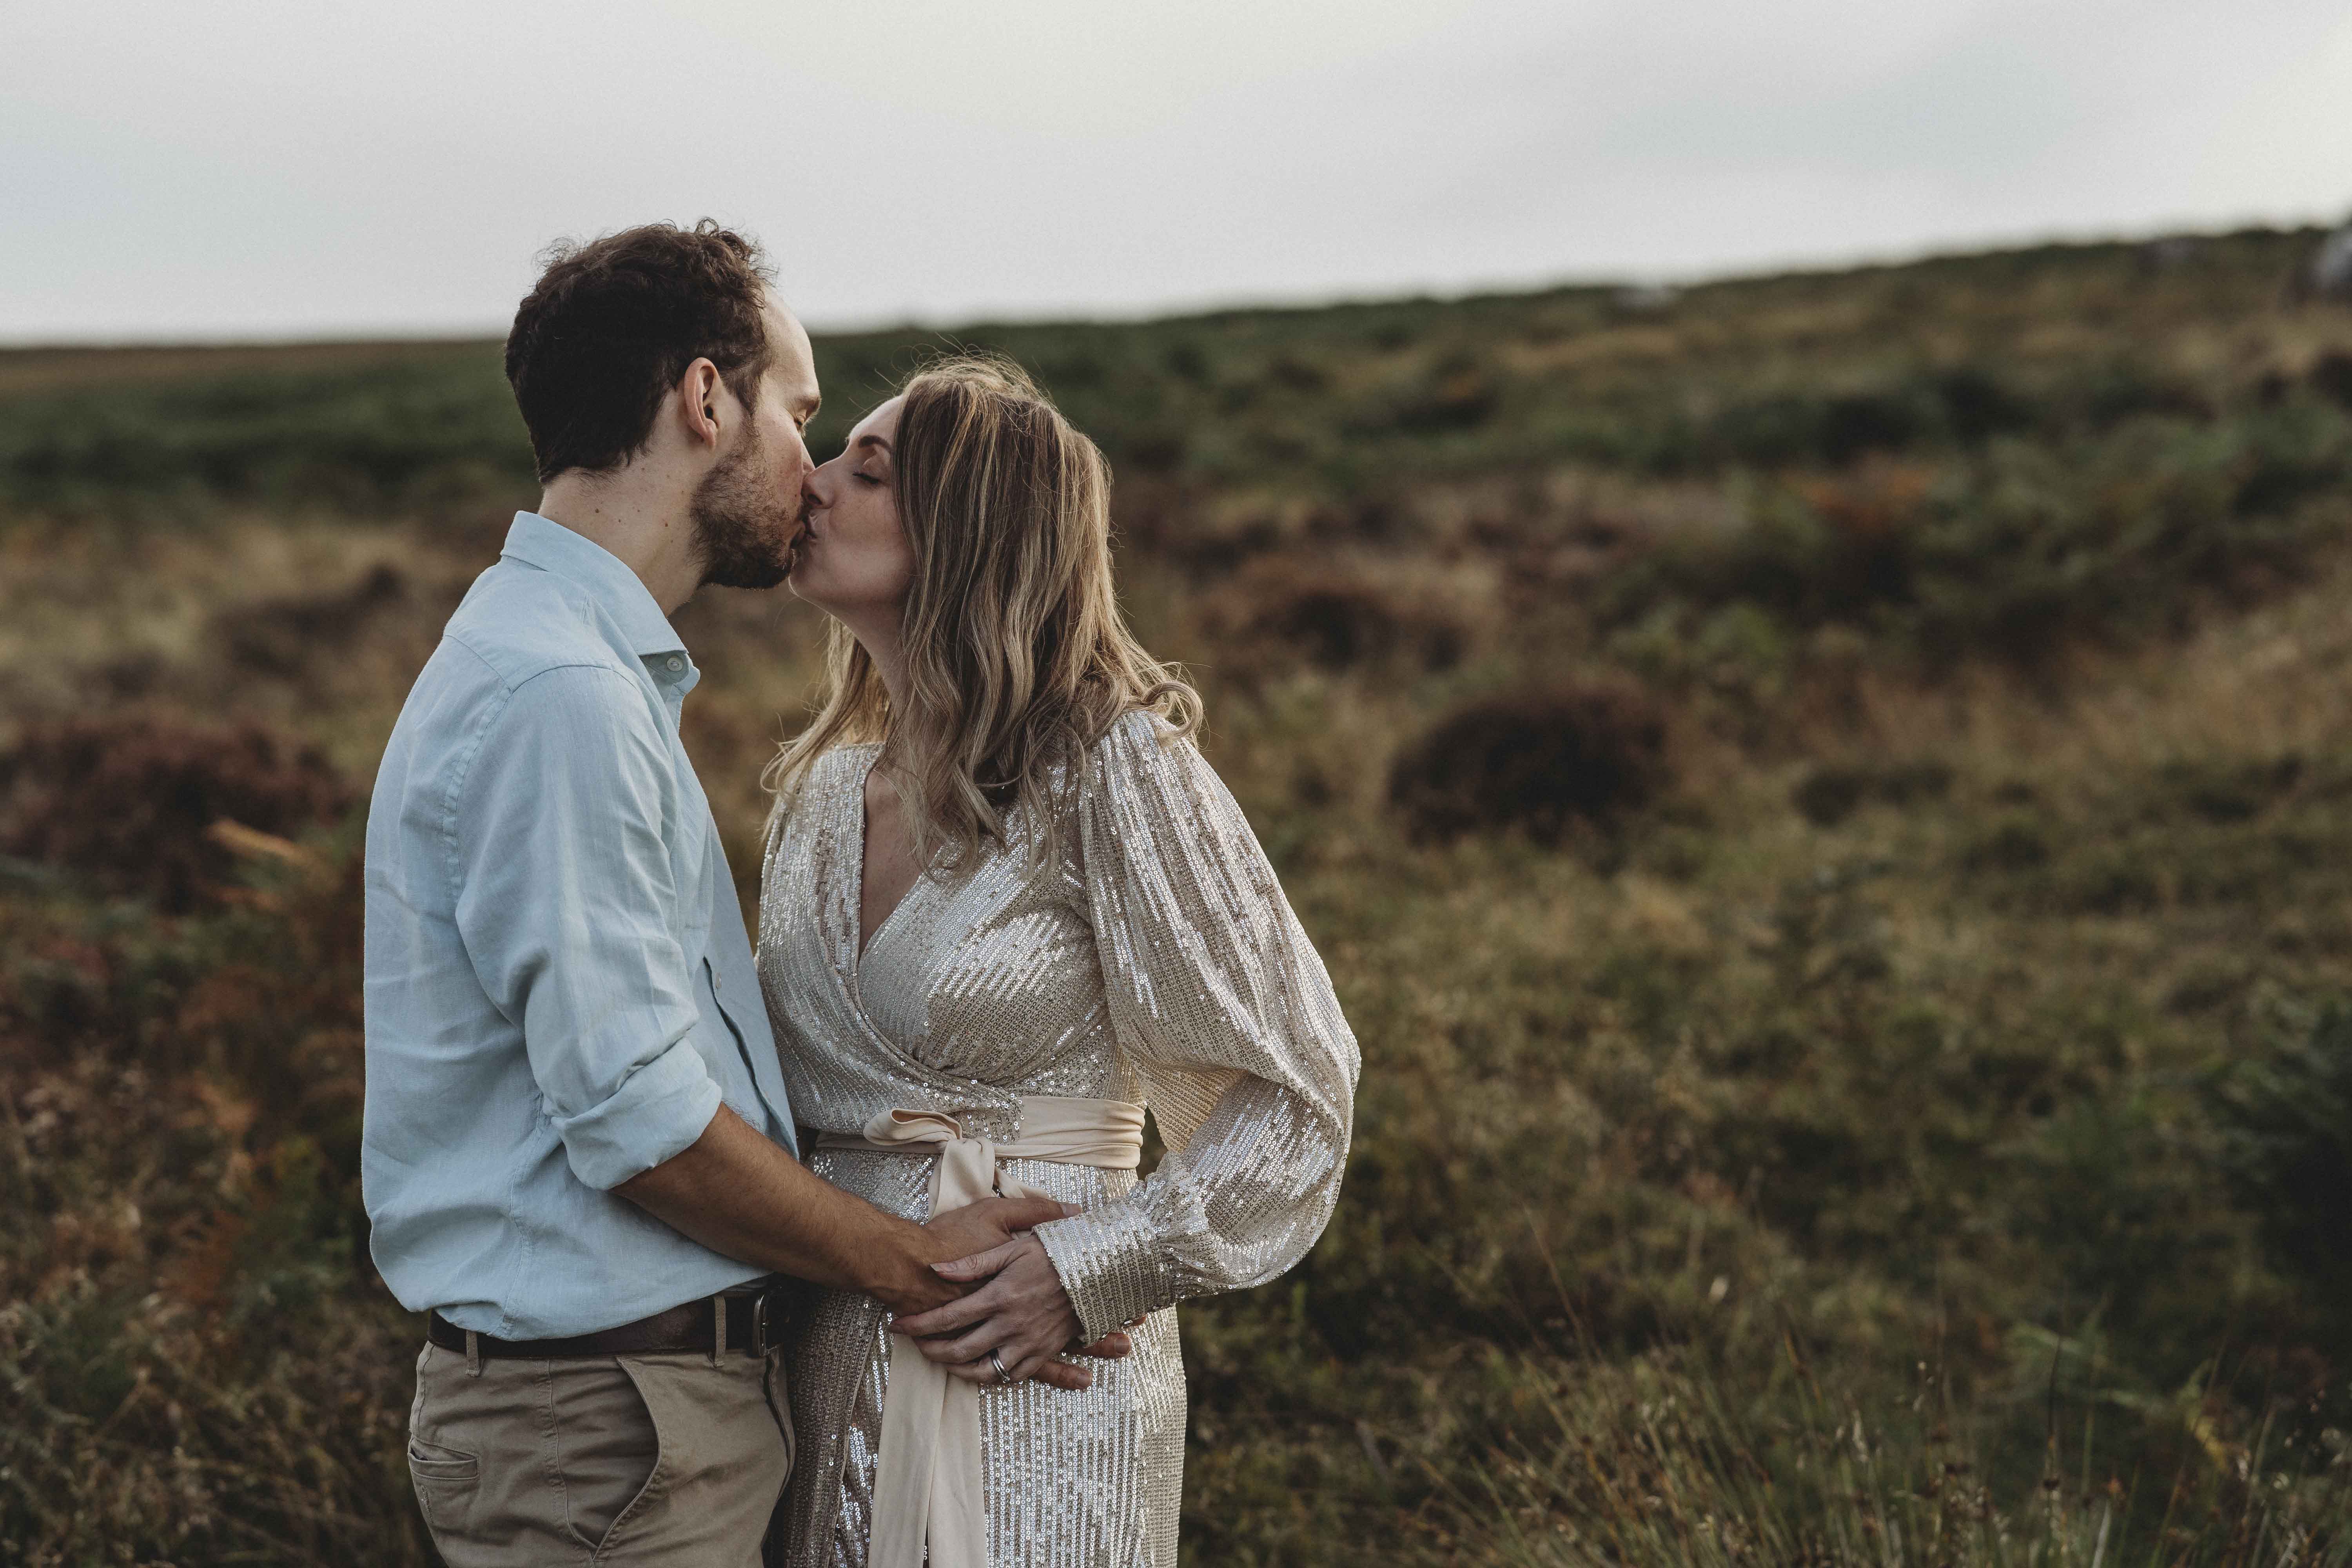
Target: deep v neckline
{"x":860,"y":940}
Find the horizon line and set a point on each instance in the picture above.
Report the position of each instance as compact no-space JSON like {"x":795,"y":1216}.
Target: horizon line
{"x":359,"y":335}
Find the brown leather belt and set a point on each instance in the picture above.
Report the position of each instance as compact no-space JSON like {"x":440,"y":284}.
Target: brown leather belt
{"x":748,"y":1321}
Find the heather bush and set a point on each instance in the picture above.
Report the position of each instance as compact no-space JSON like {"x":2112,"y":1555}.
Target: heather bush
{"x":2013,"y":555}
{"x":287,"y":636}
{"x":1539,"y":763}
{"x":1282,"y":609}
{"x":127,"y":800}
{"x":196,"y":1363}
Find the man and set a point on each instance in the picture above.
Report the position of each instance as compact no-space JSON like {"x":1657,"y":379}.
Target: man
{"x":578,"y":1152}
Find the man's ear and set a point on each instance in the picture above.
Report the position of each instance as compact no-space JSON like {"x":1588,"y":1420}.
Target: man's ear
{"x":705,"y":403}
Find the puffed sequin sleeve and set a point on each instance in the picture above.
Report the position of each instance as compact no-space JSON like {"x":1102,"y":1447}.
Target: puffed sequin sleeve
{"x":1229,"y":1018}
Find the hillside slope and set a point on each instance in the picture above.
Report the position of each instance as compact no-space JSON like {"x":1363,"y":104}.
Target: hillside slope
{"x":1826,"y":798}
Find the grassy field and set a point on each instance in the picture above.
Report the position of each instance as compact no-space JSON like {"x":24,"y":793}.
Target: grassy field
{"x":1827,"y":799}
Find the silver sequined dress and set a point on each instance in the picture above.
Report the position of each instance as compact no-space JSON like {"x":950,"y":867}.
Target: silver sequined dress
{"x":1154,"y":960}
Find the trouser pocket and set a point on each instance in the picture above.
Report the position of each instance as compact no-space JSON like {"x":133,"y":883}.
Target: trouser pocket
{"x":529,"y":1462}
{"x":615,"y":1458}
{"x":446,"y":1481}
{"x":447,"y":1478}
{"x":723,"y":1456}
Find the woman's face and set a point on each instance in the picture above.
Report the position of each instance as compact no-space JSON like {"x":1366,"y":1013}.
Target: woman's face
{"x":852,"y":559}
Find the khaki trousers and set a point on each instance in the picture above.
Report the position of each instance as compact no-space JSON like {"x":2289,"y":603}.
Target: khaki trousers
{"x":641,"y":1459}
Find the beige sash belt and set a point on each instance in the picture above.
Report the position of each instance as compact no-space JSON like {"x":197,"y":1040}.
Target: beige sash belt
{"x":927,"y":1476}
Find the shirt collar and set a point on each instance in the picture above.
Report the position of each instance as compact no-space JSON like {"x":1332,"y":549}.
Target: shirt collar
{"x":548,"y":545}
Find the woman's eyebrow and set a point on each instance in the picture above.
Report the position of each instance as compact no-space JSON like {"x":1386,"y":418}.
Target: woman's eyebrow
{"x":869,"y":437}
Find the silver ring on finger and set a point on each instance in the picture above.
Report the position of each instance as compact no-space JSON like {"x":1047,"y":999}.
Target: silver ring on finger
{"x":996,"y":1361}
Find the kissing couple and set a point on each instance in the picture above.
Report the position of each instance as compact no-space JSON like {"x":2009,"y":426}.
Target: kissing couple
{"x":834,"y":1251}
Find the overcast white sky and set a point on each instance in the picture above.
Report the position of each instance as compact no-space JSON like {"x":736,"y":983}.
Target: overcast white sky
{"x":225,"y":168}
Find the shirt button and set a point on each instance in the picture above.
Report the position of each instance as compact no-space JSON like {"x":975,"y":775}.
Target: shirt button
{"x":674,"y":663}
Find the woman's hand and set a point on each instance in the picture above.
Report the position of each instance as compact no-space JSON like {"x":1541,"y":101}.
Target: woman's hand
{"x":1023,"y":1314}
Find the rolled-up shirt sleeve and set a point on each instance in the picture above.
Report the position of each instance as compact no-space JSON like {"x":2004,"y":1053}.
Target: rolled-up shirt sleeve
{"x":566,"y":902}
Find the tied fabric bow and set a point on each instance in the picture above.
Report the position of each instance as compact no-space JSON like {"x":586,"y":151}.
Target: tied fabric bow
{"x":927,"y":1484}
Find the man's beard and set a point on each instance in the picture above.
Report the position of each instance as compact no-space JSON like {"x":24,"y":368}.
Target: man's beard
{"x":743,"y":523}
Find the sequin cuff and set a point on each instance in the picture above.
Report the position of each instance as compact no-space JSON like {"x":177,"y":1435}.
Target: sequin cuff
{"x":1109,"y":1261}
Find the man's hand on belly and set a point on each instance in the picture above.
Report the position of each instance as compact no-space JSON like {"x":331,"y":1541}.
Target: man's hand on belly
{"x":743,"y":1196}
{"x":983,"y":1227}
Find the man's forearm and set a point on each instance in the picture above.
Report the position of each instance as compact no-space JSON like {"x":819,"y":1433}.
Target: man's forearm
{"x":740,"y":1195}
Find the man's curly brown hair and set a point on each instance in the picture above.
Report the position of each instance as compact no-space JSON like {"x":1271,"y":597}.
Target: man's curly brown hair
{"x":612,"y":325}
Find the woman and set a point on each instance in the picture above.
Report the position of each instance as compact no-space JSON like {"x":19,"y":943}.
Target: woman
{"x":1005,"y":906}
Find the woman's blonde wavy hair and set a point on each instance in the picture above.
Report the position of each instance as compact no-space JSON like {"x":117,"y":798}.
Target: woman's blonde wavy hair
{"x":1017,"y":658}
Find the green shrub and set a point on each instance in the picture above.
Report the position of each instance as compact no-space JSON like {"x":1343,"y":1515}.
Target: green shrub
{"x":403,"y":430}
{"x":2286,"y":1126}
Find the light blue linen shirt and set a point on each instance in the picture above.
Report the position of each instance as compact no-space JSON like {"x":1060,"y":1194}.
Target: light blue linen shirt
{"x":560,"y":990}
